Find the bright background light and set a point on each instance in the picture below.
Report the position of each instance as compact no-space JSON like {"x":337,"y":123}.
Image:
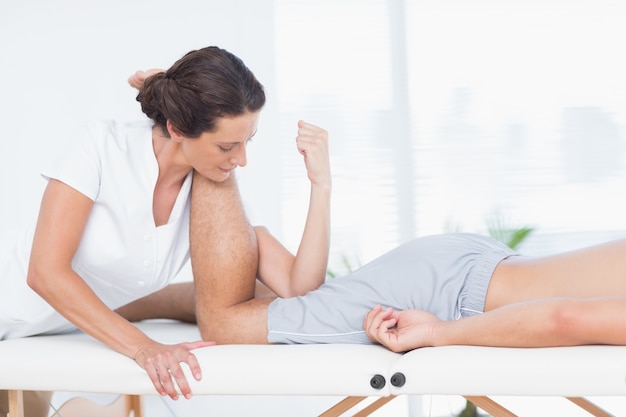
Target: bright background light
{"x":443,"y":115}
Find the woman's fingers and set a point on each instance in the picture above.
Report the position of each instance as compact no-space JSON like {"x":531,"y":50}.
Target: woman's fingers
{"x":192,"y":361}
{"x":165,"y":371}
{"x":176,"y":371}
{"x":154,"y":377}
{"x":162,"y":363}
{"x":158,"y":371}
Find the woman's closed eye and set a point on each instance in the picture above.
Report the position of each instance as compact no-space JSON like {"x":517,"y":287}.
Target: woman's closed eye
{"x":226,"y":148}
{"x":229,"y":147}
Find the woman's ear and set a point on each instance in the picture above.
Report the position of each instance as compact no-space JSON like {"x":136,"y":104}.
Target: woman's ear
{"x":175,"y":134}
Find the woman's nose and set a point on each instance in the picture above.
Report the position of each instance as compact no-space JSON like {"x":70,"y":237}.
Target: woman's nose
{"x":240,"y":158}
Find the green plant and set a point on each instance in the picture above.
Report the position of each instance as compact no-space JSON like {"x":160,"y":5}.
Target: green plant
{"x":511,"y":236}
{"x":470,"y":410}
{"x":347,"y":265}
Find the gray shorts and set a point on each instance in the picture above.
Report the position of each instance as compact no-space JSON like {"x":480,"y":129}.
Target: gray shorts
{"x":446,"y":275}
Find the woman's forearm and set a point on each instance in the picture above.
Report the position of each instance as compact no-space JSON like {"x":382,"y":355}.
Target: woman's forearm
{"x":80,"y":305}
{"x":62,"y":218}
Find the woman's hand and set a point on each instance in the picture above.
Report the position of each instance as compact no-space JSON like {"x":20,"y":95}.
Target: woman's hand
{"x":312,"y":143}
{"x":162,"y":363}
{"x":137,"y":79}
{"x":400,"y":331}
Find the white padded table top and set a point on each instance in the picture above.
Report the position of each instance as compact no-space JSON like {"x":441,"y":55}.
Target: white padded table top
{"x":471,"y":370}
{"x":77,"y":362}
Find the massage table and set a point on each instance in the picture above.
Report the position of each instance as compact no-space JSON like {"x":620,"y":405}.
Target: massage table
{"x":75,"y":362}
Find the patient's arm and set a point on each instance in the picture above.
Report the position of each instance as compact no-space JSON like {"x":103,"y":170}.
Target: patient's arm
{"x":538,"y":323}
{"x":288,"y":275}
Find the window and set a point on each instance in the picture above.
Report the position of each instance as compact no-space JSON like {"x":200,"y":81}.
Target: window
{"x":445,"y":115}
{"x":334,"y":70}
{"x":518,"y":110}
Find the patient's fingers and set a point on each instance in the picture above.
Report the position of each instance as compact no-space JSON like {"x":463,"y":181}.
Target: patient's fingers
{"x":312,"y":142}
{"x":368,"y":322}
{"x":377,"y":323}
{"x":137,"y":79}
{"x":369,"y":317}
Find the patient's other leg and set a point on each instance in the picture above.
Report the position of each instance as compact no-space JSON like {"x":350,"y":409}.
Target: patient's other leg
{"x":176,"y":302}
{"x":595,"y":271}
{"x":224,"y":259}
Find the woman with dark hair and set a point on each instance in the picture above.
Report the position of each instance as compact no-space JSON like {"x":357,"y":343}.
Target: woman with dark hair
{"x":199,"y":89}
{"x":113,"y":225}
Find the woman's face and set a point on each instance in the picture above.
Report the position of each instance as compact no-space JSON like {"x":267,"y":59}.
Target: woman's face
{"x":216,"y":154}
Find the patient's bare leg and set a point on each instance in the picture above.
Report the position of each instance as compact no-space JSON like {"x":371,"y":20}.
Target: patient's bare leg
{"x":591,"y":272}
{"x":176,"y":302}
{"x":224,"y":259}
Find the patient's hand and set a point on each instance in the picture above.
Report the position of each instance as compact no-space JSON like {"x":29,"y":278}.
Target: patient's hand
{"x":312,"y":143}
{"x":400,"y":331}
{"x":137,"y":79}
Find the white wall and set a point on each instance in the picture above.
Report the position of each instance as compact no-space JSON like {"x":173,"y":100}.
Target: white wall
{"x":67,"y":61}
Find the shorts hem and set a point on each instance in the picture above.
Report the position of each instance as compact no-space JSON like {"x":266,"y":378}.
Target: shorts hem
{"x":477,"y":282}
